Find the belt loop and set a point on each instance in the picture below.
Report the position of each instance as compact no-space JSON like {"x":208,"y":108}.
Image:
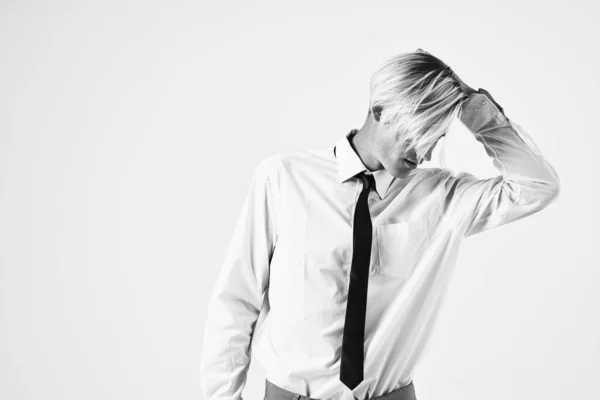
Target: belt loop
{"x":296,"y":396}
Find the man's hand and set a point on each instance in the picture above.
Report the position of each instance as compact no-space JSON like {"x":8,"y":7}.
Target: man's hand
{"x":464,"y":87}
{"x":469,"y":90}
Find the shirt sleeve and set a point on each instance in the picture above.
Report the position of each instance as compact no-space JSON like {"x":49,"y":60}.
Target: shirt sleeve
{"x":527,"y":182}
{"x":237,"y":297}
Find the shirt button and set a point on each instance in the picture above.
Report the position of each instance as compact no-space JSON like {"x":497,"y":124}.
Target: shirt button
{"x":483,"y":101}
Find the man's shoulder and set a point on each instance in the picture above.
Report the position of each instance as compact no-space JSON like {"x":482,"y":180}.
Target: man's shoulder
{"x":294,"y":159}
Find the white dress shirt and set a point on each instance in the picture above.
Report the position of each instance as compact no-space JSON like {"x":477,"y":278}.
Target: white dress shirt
{"x":293,"y":245}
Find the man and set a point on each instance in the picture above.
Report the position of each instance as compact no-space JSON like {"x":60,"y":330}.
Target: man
{"x":353,"y":246}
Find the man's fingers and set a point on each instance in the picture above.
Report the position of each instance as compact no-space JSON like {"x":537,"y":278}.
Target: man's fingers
{"x":465,"y":88}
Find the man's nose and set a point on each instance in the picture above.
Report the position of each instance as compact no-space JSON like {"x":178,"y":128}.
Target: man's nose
{"x":427,"y":156}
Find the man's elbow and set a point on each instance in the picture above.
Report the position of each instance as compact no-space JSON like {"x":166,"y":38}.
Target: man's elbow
{"x":553,"y":187}
{"x":551,"y":193}
{"x":539,"y":195}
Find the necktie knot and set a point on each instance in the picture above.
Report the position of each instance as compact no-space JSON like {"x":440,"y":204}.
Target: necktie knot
{"x":368,"y":180}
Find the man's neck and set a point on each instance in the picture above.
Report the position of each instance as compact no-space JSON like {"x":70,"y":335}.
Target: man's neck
{"x":360,"y":142}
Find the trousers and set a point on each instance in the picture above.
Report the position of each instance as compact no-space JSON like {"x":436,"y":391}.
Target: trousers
{"x":274,"y":392}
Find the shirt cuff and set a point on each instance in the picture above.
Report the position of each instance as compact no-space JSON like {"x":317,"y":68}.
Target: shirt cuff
{"x":478,"y":110}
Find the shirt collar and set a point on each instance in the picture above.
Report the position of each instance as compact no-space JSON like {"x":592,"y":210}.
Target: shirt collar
{"x":349,"y":164}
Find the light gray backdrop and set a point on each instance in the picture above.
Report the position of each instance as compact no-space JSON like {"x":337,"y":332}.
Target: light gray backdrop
{"x":129,"y":131}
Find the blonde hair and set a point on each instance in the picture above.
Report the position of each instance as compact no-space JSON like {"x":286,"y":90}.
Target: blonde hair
{"x":418,"y":95}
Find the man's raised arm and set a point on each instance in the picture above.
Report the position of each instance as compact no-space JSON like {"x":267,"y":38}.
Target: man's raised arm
{"x":527,"y":182}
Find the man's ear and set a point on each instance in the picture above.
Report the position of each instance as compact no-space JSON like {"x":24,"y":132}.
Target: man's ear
{"x":377,"y":112}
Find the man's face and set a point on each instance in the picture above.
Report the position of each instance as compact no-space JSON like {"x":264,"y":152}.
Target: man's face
{"x":394,"y":154}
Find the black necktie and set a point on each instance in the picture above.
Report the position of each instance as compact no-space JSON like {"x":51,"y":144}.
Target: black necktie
{"x":351,"y":369}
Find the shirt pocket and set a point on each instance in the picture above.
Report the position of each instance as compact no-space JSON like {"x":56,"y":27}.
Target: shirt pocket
{"x":401,"y":246}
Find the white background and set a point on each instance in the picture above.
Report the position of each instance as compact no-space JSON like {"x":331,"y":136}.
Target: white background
{"x":129,"y":132}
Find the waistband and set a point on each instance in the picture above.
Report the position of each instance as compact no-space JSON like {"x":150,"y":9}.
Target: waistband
{"x":274,"y":392}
